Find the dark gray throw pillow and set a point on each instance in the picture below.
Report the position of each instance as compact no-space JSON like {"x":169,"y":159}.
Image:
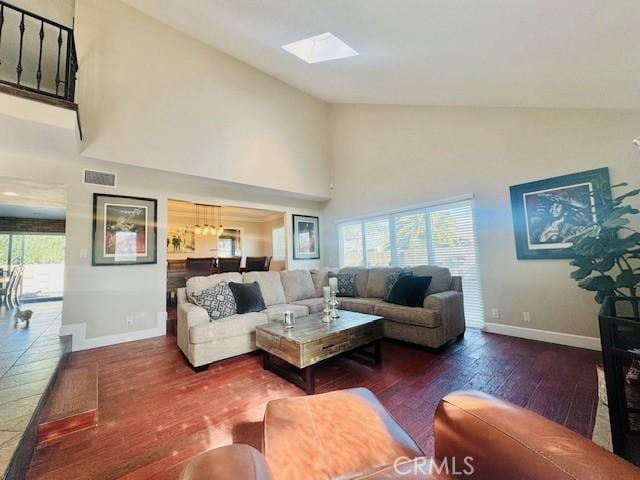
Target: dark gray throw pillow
{"x":248,"y":297}
{"x":409,"y":290}
{"x":218,"y":301}
{"x":391,"y":281}
{"x":347,"y":284}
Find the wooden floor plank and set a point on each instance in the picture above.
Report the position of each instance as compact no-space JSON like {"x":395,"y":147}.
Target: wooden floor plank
{"x":156,"y":412}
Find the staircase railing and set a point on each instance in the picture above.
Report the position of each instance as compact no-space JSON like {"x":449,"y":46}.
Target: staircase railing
{"x":36,"y":54}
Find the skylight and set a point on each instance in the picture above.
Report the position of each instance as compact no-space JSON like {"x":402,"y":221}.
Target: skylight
{"x":320,"y":48}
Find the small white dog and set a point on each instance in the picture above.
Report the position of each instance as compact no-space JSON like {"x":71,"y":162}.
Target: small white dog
{"x":22,"y":316}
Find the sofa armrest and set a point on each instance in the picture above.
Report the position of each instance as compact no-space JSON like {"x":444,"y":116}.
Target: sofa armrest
{"x":450,"y":305}
{"x":190,"y":315}
{"x":443,"y":300}
{"x":500,"y":440}
{"x":233,"y":461}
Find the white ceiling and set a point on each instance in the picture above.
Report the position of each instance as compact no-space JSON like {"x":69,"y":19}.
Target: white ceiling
{"x":534,"y":53}
{"x":32,"y":199}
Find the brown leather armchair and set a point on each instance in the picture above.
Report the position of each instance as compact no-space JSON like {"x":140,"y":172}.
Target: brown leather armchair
{"x":348,"y":434}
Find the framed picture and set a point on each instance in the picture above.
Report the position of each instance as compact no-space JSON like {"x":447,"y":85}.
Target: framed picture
{"x":124,"y":230}
{"x":181,"y":241}
{"x":306,"y":238}
{"x":548,"y":214}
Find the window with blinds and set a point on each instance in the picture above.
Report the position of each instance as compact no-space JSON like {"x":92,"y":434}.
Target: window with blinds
{"x":440,"y":235}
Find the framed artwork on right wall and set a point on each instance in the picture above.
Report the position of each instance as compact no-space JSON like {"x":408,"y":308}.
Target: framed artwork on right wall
{"x":548,"y":213}
{"x":306,"y":237}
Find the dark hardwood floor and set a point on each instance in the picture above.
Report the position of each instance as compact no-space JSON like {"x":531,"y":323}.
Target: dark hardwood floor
{"x":155,"y":412}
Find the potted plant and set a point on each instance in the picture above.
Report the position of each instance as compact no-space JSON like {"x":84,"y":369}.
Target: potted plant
{"x":607,"y":254}
{"x":607,"y":257}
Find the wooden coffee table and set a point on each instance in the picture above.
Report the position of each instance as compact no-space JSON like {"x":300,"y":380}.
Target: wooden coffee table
{"x":311,"y":341}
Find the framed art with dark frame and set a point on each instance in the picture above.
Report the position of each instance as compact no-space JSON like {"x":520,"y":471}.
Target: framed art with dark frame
{"x":306,"y":237}
{"x":124,"y":230}
{"x":548,"y":214}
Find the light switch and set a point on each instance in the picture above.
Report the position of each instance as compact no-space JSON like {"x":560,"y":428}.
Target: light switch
{"x":84,"y":253}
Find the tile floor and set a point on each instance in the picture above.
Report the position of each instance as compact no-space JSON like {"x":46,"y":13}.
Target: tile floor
{"x":28,"y":359}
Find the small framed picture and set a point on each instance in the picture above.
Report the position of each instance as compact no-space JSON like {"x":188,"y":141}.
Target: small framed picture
{"x":124,"y":230}
{"x":548,"y":214}
{"x":306,"y":238}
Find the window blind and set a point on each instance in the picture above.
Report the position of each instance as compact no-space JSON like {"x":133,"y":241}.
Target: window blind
{"x":441,"y":235}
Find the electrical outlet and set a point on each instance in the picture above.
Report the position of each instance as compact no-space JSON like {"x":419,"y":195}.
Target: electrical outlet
{"x":495,"y":314}
{"x":129,"y":319}
{"x":526,"y":317}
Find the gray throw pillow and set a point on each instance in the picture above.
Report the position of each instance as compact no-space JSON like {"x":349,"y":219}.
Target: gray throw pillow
{"x":391,"y":281}
{"x":217,"y":301}
{"x":346,"y":284}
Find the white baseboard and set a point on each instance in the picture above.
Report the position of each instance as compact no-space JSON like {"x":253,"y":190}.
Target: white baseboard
{"x":591,"y":343}
{"x":79,"y":340}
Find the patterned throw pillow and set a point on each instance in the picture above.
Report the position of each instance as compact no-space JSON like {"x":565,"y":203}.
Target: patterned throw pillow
{"x":217,"y":301}
{"x":347,"y":284}
{"x":391,"y":281}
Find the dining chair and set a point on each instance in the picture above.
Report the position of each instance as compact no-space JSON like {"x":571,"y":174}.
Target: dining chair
{"x":199,"y":267}
{"x":256,"y":264}
{"x":229,"y":264}
{"x":14,"y":288}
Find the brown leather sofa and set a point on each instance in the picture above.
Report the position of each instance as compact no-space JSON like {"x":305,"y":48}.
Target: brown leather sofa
{"x":348,"y":434}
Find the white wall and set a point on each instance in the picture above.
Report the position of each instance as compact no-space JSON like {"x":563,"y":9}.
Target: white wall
{"x":98,"y":300}
{"x":151,"y":96}
{"x":386,"y":157}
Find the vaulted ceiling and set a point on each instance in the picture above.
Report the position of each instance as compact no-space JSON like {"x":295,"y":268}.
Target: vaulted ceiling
{"x":535,"y":53}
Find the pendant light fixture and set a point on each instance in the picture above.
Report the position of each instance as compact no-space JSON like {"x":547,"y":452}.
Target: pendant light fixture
{"x":196,"y":228}
{"x":206,"y":230}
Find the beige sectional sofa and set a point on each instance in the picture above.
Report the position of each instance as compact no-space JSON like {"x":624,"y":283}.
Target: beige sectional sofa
{"x":439,"y":321}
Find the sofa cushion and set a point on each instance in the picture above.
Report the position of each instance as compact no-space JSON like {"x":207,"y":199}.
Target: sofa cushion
{"x":418,"y":316}
{"x":362,"y":305}
{"x":297,"y":284}
{"x":377,"y":280}
{"x":320,"y":278}
{"x":391,"y":281}
{"x":362,"y":277}
{"x":276,"y":312}
{"x":314,"y":305}
{"x":227,"y":327}
{"x":346,"y":284}
{"x":270,"y":286}
{"x":217,"y":301}
{"x":197,"y":284}
{"x":409,"y":290}
{"x":440,"y":277}
{"x":248,"y":297}
{"x":336,"y":435}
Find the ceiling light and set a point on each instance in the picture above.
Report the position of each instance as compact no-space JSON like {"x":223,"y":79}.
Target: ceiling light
{"x":320,"y":48}
{"x":10,"y":194}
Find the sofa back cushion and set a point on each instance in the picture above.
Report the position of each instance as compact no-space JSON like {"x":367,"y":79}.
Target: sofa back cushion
{"x":440,"y":277}
{"x":198,"y":284}
{"x":362,"y":277}
{"x":320,"y":278}
{"x":298,"y":285}
{"x":270,"y":286}
{"x":377,"y":280}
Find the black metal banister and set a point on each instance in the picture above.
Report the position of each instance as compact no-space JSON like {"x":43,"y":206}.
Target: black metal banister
{"x":38,"y":29}
{"x":36,"y":16}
